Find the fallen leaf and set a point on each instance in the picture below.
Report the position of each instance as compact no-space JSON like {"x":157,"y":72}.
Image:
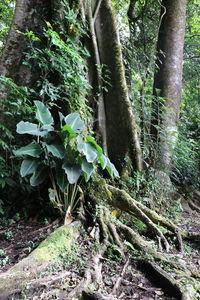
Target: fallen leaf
{"x":122,"y":295}
{"x":140,"y":284}
{"x":135,"y":295}
{"x":159,"y":292}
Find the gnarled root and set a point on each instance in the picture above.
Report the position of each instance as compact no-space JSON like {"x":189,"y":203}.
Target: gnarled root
{"x":123,"y":201}
{"x":108,"y":231}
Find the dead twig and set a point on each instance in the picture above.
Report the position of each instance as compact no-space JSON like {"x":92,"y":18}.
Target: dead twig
{"x":119,"y":280}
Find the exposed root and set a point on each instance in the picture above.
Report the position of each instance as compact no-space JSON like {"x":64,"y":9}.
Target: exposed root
{"x":163,"y":278}
{"x":88,"y":295}
{"x":118,"y":282}
{"x":180,"y":242}
{"x":136,"y":240}
{"x":93,"y":271}
{"x":122,"y":200}
{"x":92,"y":274}
{"x":194,"y":206}
{"x":181,"y":278}
{"x":46,"y":281}
{"x":117,"y":239}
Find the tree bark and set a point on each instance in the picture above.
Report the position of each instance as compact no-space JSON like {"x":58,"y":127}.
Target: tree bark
{"x":168,"y":81}
{"x":122,"y":139}
{"x":29,"y":15}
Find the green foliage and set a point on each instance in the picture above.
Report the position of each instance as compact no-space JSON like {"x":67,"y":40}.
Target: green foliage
{"x":63,"y":69}
{"x":186,"y":169}
{"x":6,"y":14}
{"x":61,"y":82}
{"x":63,"y":154}
{"x":12,"y":109}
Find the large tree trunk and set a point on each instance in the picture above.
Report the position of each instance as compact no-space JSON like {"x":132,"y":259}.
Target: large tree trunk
{"x":168,"y":80}
{"x":29,"y":15}
{"x":121,"y":131}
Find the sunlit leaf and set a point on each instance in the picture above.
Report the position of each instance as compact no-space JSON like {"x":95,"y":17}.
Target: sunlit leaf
{"x":87,"y":149}
{"x":75,"y":121}
{"x":27,"y":128}
{"x":91,"y":140}
{"x":103,"y":161}
{"x":71,"y":132}
{"x":111,"y":168}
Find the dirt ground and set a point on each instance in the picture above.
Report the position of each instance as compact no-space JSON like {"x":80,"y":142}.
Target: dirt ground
{"x":19,"y":237}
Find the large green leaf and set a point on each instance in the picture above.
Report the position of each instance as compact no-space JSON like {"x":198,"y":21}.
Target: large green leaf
{"x":80,"y":144}
{"x":33,"y":150}
{"x":90,"y":152}
{"x":28,"y":128}
{"x":73,"y":172}
{"x":74,"y":121}
{"x":91,"y":140}
{"x":28,"y":166}
{"x":43,"y":114}
{"x":39,"y":176}
{"x":57,"y":149}
{"x":47,"y":128}
{"x":61,"y":178}
{"x":87,"y":149}
{"x":87,"y":169}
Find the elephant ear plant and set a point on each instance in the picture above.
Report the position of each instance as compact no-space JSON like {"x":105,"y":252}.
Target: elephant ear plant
{"x":65,"y":155}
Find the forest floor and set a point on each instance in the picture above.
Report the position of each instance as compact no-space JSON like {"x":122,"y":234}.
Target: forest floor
{"x":19,"y":237}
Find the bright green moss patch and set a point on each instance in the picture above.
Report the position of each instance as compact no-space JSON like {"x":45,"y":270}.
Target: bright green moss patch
{"x":62,"y":239}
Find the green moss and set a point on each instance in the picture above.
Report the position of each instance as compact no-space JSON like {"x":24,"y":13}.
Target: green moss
{"x":59,"y":240}
{"x":62,"y":239}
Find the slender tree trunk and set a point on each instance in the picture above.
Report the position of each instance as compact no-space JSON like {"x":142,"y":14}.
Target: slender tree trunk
{"x":121,"y":131}
{"x":168,"y":80}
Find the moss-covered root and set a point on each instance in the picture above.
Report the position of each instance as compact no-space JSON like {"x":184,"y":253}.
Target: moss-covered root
{"x":16,"y":278}
{"x":122,"y":200}
{"x":184,"y":288}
